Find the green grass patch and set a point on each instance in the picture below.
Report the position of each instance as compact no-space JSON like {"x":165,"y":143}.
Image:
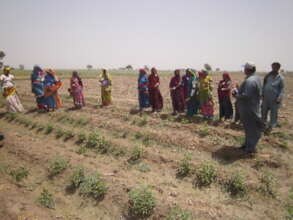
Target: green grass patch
{"x":142,"y":167}
{"x":57,"y":165}
{"x":18,"y":174}
{"x":184,"y":167}
{"x":141,"y":203}
{"x":46,"y":199}
{"x":77,"y":177}
{"x":135,"y":155}
{"x":49,"y":128}
{"x":203,"y":131}
{"x":236,"y":185}
{"x":177,"y":213}
{"x":94,"y":186}
{"x":68,"y":135}
{"x":268,"y":184}
{"x":206,"y":174}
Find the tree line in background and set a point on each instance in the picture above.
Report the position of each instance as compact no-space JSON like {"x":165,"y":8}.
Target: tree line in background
{"x":89,"y":66}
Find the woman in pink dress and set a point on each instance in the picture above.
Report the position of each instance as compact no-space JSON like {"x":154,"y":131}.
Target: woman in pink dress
{"x":76,"y":90}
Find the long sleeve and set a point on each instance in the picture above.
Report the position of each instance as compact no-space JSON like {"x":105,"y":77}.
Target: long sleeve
{"x":281,"y":88}
{"x":247,"y":90}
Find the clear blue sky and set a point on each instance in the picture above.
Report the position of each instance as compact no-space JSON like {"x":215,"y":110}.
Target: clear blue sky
{"x":164,"y":33}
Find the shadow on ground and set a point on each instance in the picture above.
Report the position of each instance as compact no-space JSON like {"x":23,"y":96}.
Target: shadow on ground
{"x":229,"y":155}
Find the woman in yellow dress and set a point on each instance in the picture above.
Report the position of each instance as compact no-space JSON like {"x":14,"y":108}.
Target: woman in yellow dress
{"x":106,"y":88}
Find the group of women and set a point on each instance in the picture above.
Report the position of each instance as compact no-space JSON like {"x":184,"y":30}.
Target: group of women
{"x":191,"y":92}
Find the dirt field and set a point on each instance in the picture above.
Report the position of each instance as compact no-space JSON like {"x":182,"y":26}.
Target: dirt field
{"x":165,"y":140}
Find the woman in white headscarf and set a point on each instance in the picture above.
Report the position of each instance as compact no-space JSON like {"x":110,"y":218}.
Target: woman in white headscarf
{"x":9,"y":91}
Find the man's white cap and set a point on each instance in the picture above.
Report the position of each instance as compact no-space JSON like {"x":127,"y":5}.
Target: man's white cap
{"x":249,"y":65}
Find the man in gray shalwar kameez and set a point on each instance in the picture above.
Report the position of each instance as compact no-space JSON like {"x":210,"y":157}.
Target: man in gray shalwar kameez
{"x":248,"y":101}
{"x":273,"y":92}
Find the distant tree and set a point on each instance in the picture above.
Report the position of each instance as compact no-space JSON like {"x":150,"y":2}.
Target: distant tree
{"x":146,"y":68}
{"x":89,"y":67}
{"x":218,"y":69}
{"x":1,"y":65}
{"x":2,"y":54}
{"x":208,"y":67}
{"x":282,"y":71}
{"x":21,"y":66}
{"x":129,"y":67}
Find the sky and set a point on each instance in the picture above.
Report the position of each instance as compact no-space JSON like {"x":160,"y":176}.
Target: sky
{"x":167,"y":34}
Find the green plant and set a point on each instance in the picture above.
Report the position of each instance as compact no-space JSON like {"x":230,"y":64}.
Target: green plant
{"x":46,"y":199}
{"x":203,"y":131}
{"x":268,"y":182}
{"x":34,"y":125}
{"x":19,"y":173}
{"x":57,"y":165}
{"x":205,"y":175}
{"x":81,"y":150}
{"x":68,"y":135}
{"x":284,"y":145}
{"x":49,"y":128}
{"x":116,"y":151}
{"x":77,"y":176}
{"x":147,"y":140}
{"x":136,"y":154}
{"x":93,"y":185}
{"x":289,"y":206}
{"x":103,"y":146}
{"x":184,"y":167}
{"x":141,"y":202}
{"x":177,"y":213}
{"x":81,"y":138}
{"x":138,"y":135}
{"x":142,"y":167}
{"x":92,"y":140}
{"x":27,"y":122}
{"x":41,"y":127}
{"x":11,"y":116}
{"x":142,"y":122}
{"x":236,"y":186}
{"x":82,"y":122}
{"x":59,"y":133}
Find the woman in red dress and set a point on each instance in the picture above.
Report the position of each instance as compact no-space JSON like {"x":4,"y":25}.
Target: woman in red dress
{"x":156,"y":99}
{"x":177,"y":93}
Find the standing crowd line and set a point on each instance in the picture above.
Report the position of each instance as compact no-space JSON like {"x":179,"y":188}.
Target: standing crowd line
{"x":191,"y":94}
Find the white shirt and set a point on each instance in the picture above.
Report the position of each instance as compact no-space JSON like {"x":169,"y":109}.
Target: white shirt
{"x":6,"y":81}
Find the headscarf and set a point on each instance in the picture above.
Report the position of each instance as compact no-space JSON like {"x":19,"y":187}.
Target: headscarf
{"x":50,"y":71}
{"x":106,"y":75}
{"x":154,"y":71}
{"x":6,"y":69}
{"x":226,"y":75}
{"x":76,"y":75}
{"x":142,"y":72}
{"x":191,"y":71}
{"x":37,"y":73}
